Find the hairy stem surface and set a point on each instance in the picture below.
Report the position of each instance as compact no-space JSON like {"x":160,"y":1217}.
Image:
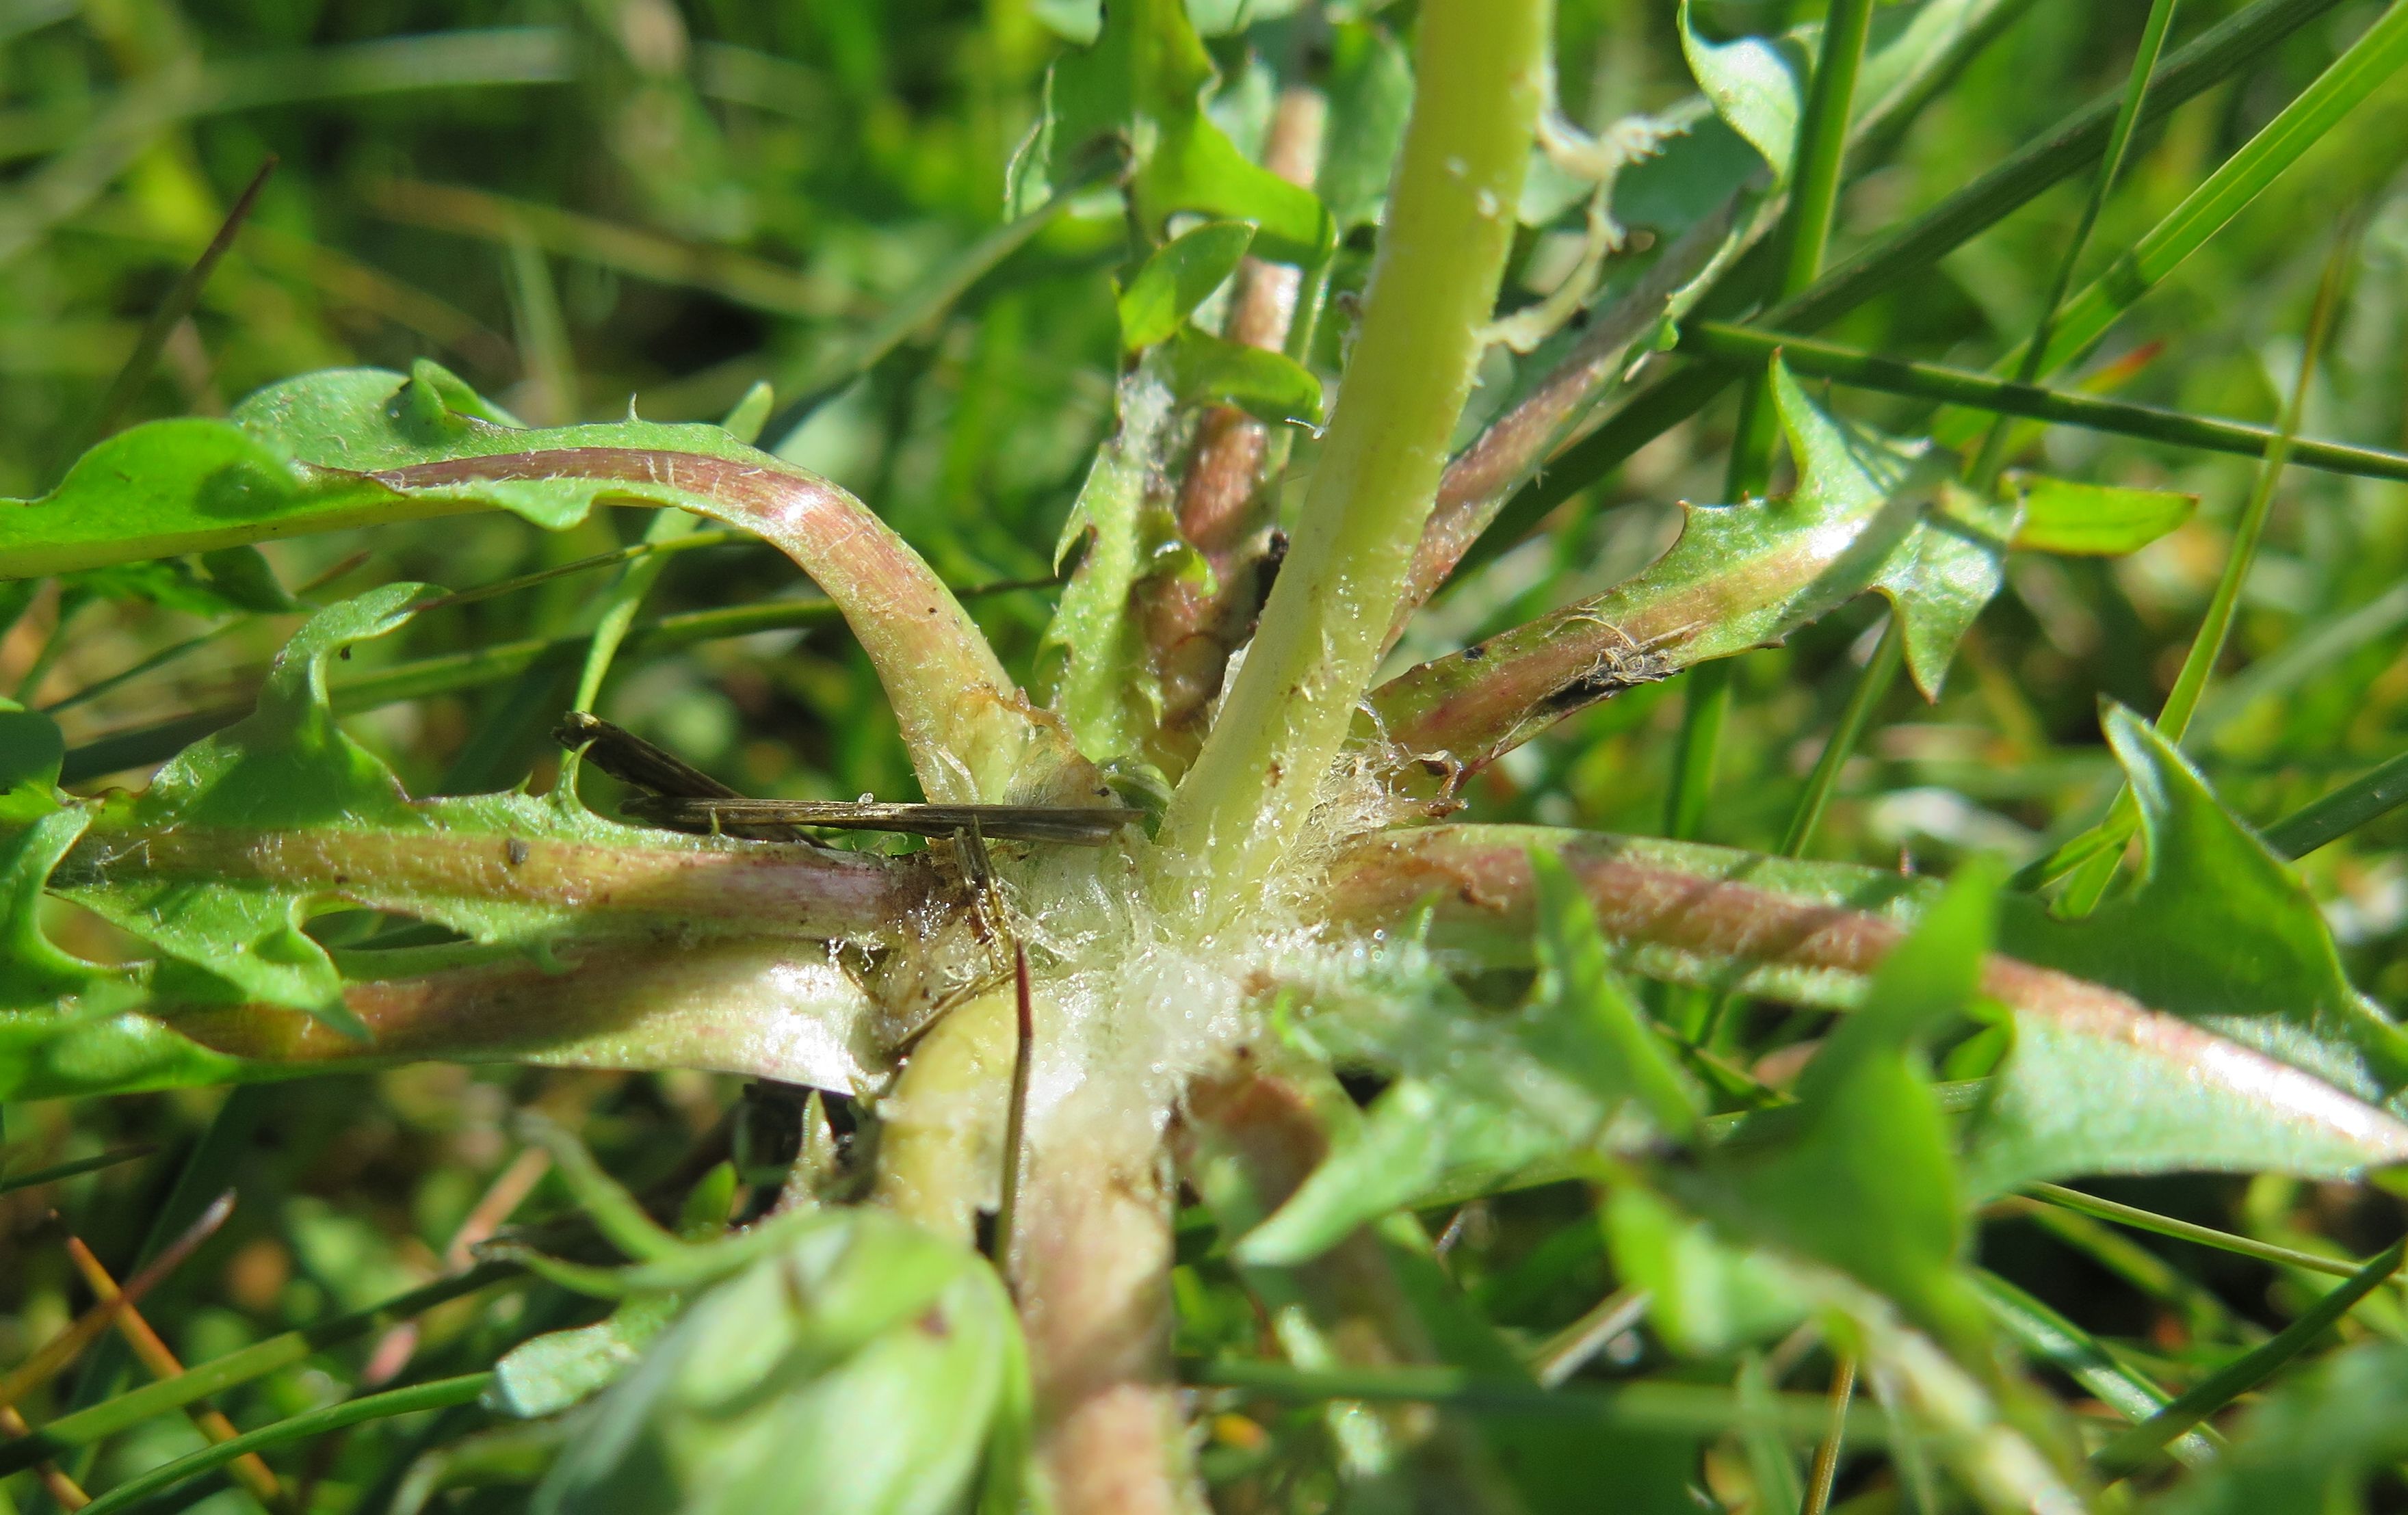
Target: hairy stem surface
{"x":972,"y":734}
{"x":1480,"y":70}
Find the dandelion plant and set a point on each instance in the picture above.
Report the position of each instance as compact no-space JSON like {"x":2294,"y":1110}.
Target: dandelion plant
{"x":1225,"y":1060}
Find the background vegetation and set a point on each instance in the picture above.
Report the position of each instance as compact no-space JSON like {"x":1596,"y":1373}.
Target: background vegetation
{"x":585,"y":207}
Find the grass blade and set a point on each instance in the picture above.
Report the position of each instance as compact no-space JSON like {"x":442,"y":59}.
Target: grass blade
{"x":1827,"y":1451}
{"x":2374,"y":57}
{"x":735,"y":277}
{"x":155,"y":741}
{"x":160,"y":1361}
{"x":918,"y":308}
{"x":1805,"y":233}
{"x":1673,"y":1407}
{"x":2362,"y":799}
{"x":1859,"y":369}
{"x":61,"y":1486}
{"x":2238,"y":42}
{"x":2073,"y":1351}
{"x":721,"y":536}
{"x":471,"y":58}
{"x":1567,"y":1350}
{"x":547,"y":366}
{"x":2141,"y":1220}
{"x":207,"y":1170}
{"x":63,"y":1349}
{"x":1984,"y":469}
{"x":137,"y":1491}
{"x":14,"y":1182}
{"x":1889,"y":655}
{"x":2098,"y":869}
{"x":178,"y":303}
{"x":1879,"y":674}
{"x":87,"y":1426}
{"x":2130,"y":1452}
{"x":1806,"y":229}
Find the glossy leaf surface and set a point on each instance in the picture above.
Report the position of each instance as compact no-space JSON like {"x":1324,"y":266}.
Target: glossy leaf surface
{"x":1757,"y":84}
{"x":1179,"y":277}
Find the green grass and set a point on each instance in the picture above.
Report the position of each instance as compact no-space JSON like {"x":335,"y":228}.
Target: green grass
{"x":1460,"y":1131}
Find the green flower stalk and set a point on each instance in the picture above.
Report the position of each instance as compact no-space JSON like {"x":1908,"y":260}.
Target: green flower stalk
{"x":1480,"y":77}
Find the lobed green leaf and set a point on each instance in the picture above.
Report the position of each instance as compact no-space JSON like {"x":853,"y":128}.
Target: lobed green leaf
{"x":1179,"y":276}
{"x":1861,"y":1174}
{"x":1869,"y":513}
{"x":354,"y":447}
{"x":2060,"y":515}
{"x":1575,"y":1070}
{"x":1099,"y":676}
{"x":1142,"y":82}
{"x":2219,"y":929}
{"x":1757,"y":84}
{"x":2097,"y":1081}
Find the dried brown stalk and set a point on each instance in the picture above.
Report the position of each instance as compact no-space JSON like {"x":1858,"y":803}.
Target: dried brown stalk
{"x":159,"y":1359}
{"x":65,"y":1489}
{"x":55,"y":1354}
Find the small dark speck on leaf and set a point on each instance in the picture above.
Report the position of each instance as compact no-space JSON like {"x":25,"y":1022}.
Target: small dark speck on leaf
{"x":516,"y":850}
{"x":933,"y":1323}
{"x":345,"y":654}
{"x":1475,"y":652}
